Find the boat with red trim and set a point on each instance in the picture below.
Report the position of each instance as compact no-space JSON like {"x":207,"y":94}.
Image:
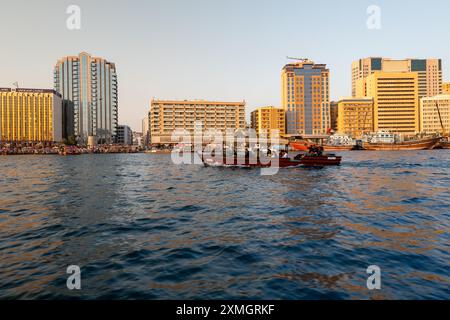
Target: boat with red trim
{"x":301,"y":160}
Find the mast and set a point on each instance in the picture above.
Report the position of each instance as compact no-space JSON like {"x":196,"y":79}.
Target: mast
{"x":444,"y":133}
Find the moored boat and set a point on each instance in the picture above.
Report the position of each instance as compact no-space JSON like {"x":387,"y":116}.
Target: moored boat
{"x":423,"y":144}
{"x":338,"y":147}
{"x":339,"y":142}
{"x":300,"y":145}
{"x":386,"y":141}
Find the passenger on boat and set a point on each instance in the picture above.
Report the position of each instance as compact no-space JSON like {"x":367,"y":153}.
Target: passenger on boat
{"x":283,"y":154}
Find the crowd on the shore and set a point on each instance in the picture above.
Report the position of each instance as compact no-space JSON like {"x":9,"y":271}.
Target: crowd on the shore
{"x":47,"y":148}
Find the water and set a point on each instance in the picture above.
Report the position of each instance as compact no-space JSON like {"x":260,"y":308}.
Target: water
{"x":142,"y":228}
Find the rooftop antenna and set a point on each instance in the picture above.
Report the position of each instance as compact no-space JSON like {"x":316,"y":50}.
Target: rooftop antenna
{"x":298,"y":59}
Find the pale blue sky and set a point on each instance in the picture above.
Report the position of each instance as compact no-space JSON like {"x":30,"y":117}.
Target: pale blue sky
{"x":211,"y":49}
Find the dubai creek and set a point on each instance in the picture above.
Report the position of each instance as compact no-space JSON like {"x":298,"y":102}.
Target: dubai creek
{"x":140,"y":227}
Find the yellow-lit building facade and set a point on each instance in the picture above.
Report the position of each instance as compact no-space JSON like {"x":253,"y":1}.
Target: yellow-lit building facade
{"x":429,"y":72}
{"x":266,"y":119}
{"x":30,"y":115}
{"x":446,"y":88}
{"x":305,"y":91}
{"x":166,"y":116}
{"x":355,"y":116}
{"x":396,"y":101}
{"x":429,"y":116}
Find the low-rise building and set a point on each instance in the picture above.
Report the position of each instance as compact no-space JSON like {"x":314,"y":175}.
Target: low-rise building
{"x":429,"y":114}
{"x":266,"y":119}
{"x":355,"y":116}
{"x":124,"y":135}
{"x":167,"y":116}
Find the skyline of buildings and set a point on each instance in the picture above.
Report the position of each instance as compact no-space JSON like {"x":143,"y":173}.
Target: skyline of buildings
{"x":90,"y":85}
{"x":88,"y":88}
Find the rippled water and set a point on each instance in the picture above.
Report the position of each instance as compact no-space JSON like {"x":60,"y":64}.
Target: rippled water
{"x":140,"y":227}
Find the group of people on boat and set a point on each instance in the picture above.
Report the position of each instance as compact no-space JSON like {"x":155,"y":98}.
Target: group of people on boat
{"x":315,"y":151}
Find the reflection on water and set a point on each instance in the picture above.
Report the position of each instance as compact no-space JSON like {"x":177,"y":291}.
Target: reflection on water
{"x":140,"y":227}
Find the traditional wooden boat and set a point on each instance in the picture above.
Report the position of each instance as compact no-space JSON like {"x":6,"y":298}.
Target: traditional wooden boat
{"x":304,"y":161}
{"x":424,"y":144}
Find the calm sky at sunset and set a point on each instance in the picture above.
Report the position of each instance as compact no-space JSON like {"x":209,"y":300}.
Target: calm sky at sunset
{"x":209,"y":49}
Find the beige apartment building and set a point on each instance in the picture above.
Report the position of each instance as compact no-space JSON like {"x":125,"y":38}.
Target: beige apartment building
{"x":396,"y":101}
{"x":268,"y":119}
{"x":429,"y":72}
{"x":429,"y":115}
{"x":355,"y":116}
{"x":166,"y":116}
{"x":30,"y":115}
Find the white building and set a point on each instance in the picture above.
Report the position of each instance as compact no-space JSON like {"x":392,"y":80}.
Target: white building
{"x":124,"y":135}
{"x":429,"y":116}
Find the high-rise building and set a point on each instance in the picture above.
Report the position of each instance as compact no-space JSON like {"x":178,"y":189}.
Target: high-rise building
{"x":396,"y":101}
{"x":429,"y":115}
{"x":355,"y":116}
{"x":305,"y":97}
{"x":31,"y":115}
{"x":90,"y":84}
{"x":429,"y":73}
{"x":268,"y":119}
{"x":446,"y":88}
{"x":168,"y":116}
{"x":124,"y":135}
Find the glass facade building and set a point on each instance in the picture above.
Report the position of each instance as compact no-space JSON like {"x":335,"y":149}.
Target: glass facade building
{"x":90,"y":85}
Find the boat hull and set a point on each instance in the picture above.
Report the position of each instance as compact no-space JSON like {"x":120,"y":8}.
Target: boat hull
{"x":338,"y":148}
{"x":300,"y":145}
{"x":425,"y":144}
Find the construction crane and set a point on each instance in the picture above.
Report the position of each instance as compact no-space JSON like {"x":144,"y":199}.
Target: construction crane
{"x":298,"y":59}
{"x":444,"y":133}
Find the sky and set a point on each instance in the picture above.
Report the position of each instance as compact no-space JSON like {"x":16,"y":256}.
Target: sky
{"x":223,"y":50}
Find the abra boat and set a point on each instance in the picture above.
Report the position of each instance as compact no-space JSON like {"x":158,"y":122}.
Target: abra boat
{"x":302,"y":161}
